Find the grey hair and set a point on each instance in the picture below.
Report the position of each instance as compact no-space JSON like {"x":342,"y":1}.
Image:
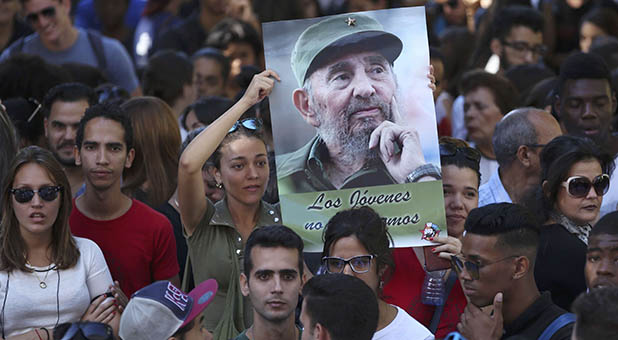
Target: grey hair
{"x":514,"y":130}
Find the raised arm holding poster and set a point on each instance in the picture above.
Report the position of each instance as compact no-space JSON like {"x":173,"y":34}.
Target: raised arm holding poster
{"x":354,"y":122}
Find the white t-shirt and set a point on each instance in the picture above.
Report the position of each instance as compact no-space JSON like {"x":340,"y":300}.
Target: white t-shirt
{"x":28,"y":306}
{"x":610,"y":200}
{"x":403,"y":327}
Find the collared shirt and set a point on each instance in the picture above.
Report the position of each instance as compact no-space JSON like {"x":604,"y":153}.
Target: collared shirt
{"x":610,"y":199}
{"x":493,"y":191}
{"x":534,"y":320}
{"x":216,"y":251}
{"x":243,"y":335}
{"x":303,"y":171}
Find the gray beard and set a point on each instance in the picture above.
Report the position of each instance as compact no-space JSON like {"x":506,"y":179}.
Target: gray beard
{"x":336,"y":131}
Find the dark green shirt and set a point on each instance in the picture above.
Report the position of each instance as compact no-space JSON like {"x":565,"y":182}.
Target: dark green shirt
{"x":216,"y":252}
{"x":303,"y":171}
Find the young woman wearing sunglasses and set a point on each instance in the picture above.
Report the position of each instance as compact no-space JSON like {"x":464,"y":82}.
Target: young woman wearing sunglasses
{"x":574,"y":177}
{"x":356,"y":242}
{"x":216,"y":233}
{"x":47,"y":276}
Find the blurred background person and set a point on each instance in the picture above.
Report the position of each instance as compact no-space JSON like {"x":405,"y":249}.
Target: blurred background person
{"x":169,"y":76}
{"x":63,"y":108}
{"x":158,"y":16}
{"x":211,"y":71}
{"x":204,"y":111}
{"x":12,"y":26}
{"x":598,"y":22}
{"x":152,"y":178}
{"x":487,"y":98}
{"x":240,"y":42}
{"x":8,"y":143}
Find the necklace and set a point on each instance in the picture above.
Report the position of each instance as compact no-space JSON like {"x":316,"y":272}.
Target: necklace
{"x":42,"y":283}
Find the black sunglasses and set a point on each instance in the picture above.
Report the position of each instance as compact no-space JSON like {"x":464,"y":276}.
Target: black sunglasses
{"x":359,"y":264}
{"x":252,"y":124}
{"x":449,"y":150}
{"x":47,"y":12}
{"x":89,"y":331}
{"x":48,"y":193}
{"x":472,"y":267}
{"x":579,"y":186}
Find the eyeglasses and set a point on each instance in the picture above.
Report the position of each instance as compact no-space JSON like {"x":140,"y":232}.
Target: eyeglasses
{"x":450,"y":150}
{"x":523,"y":47}
{"x":89,"y":331}
{"x":359,"y":264}
{"x":48,"y":193}
{"x":47,"y":12}
{"x":36,"y":110}
{"x":472,"y":267}
{"x":252,"y":124}
{"x":579,"y":186}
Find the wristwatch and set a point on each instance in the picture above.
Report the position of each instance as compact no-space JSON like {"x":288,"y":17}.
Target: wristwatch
{"x":422,"y":171}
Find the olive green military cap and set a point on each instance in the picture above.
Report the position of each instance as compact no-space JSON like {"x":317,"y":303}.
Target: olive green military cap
{"x":335,"y":36}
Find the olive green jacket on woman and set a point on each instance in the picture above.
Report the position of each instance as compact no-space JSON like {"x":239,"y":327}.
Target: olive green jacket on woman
{"x":216,"y":251}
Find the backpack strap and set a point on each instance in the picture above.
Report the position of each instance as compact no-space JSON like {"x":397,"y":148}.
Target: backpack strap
{"x":96,"y":43}
{"x":558,"y":323}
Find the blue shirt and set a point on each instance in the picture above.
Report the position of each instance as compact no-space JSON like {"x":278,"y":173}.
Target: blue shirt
{"x":119,"y":69}
{"x":493,"y":191}
{"x":86,"y":16}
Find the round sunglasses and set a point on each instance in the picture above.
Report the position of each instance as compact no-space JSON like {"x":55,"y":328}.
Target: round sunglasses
{"x":47,"y":193}
{"x":579,"y":186}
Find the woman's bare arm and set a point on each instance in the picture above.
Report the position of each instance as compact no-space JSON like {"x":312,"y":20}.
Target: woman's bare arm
{"x":191,"y":194}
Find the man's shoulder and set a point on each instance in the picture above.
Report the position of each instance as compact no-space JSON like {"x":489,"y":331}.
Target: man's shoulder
{"x":21,"y":44}
{"x":147,"y":214}
{"x":539,"y":317}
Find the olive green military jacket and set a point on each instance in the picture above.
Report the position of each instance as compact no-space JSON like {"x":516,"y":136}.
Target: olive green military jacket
{"x":303,"y":171}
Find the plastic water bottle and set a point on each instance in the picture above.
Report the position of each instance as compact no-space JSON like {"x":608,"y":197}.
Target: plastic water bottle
{"x":434,"y":288}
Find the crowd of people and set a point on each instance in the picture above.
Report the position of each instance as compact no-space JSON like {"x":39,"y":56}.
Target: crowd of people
{"x":139,"y":181}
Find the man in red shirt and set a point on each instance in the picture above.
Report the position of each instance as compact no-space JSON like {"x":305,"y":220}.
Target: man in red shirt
{"x":138,"y":242}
